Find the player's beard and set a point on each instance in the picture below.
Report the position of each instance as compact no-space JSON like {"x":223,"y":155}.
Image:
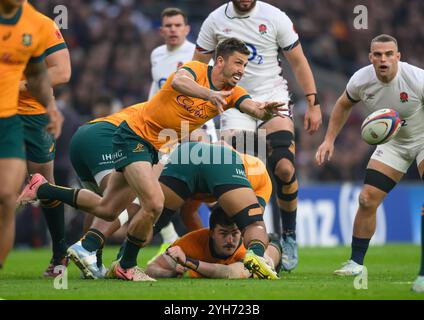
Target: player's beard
{"x":242,"y":8}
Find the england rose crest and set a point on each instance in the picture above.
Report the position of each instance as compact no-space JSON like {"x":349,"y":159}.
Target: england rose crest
{"x":404,"y":97}
{"x":262,"y":29}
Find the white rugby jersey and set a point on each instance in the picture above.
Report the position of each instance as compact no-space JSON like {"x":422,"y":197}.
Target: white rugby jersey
{"x":165,"y":62}
{"x":405,"y":94}
{"x":264,"y":29}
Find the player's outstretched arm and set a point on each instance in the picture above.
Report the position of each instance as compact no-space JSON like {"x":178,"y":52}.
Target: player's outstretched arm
{"x":338,"y":118}
{"x":305,"y":78}
{"x":40,"y":88}
{"x":206,"y":269}
{"x":164,"y":267}
{"x":262,"y":110}
{"x":184,"y":83}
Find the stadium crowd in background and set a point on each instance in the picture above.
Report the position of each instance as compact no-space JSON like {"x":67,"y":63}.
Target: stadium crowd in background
{"x":111,"y":42}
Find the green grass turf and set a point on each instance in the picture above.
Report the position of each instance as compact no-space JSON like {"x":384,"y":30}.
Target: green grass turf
{"x":391,"y":270}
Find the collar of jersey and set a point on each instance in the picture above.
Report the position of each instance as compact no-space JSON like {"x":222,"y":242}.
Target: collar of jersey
{"x":215,"y":255}
{"x":12,"y":20}
{"x":210,"y":79}
{"x":231,"y":13}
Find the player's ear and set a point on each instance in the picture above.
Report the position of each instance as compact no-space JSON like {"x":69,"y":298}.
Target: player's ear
{"x":370,"y":56}
{"x":399,"y":55}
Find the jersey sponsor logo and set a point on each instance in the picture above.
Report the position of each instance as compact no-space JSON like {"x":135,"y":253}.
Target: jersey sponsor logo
{"x":6,"y":58}
{"x":254,"y":56}
{"x":139,"y":148}
{"x":404,"y":97}
{"x":7,"y":36}
{"x":262,"y":29}
{"x":198,"y":111}
{"x":27,"y":39}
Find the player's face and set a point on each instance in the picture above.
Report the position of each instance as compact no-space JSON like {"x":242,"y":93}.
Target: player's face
{"x":174,"y":30}
{"x":226,"y":239}
{"x":385,"y":57}
{"x":233,"y":68}
{"x":244,"y":5}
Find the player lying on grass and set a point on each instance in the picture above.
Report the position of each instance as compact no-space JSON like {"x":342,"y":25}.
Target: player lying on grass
{"x":193,"y":95}
{"x":214,"y":252}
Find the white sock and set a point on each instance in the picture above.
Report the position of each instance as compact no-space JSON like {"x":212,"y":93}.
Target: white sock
{"x":169,"y":234}
{"x":123,"y":217}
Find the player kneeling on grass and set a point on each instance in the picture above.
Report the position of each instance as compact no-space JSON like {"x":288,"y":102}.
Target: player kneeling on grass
{"x":214,"y":252}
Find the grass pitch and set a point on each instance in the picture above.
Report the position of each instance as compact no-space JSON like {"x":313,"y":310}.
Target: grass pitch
{"x":391,"y":270}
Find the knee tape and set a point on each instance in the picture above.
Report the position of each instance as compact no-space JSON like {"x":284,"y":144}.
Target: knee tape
{"x":287,"y":191}
{"x":248,"y":215}
{"x":280,"y":145}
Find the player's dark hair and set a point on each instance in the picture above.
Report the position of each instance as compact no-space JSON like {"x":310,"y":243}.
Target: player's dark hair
{"x":228,"y":46}
{"x":218,"y":216}
{"x":384,"y":38}
{"x":170,"y":12}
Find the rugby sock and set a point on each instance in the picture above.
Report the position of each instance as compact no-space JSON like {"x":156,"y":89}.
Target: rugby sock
{"x":93,"y":240}
{"x":164,"y":220}
{"x":422,"y":243}
{"x":55,"y":217}
{"x":130,"y":253}
{"x":288,"y":220}
{"x":359,"y":249}
{"x":49,"y":191}
{"x":258,"y":247}
{"x":169,"y":234}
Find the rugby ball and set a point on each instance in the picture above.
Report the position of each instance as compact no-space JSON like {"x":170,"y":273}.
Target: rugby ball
{"x":381,"y":126}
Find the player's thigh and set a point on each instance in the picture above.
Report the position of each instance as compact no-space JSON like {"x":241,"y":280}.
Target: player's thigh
{"x":278,"y":124}
{"x":142,"y":180}
{"x":46,"y":169}
{"x":380,"y":179}
{"x":235,"y":200}
{"x":173,"y":200}
{"x":12,"y":174}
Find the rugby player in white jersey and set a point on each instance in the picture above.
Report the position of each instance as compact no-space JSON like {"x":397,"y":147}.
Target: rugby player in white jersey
{"x":266,"y":30}
{"x":386,"y":83}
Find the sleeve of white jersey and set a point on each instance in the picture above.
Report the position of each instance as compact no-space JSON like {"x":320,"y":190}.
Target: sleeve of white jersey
{"x":353,"y":89}
{"x":286,"y":33}
{"x":207,"y":39}
{"x":154,"y":86}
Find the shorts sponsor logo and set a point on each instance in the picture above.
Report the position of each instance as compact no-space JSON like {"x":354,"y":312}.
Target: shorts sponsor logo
{"x":51,"y":149}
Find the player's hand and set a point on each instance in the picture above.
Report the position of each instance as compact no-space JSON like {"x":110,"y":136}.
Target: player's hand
{"x":271,"y":109}
{"x":177,"y":254}
{"x":180,"y":270}
{"x":217,"y":98}
{"x":325,"y":150}
{"x":55,"y":120}
{"x":313,"y":119}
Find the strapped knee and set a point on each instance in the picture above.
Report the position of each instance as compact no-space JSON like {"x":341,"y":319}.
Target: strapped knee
{"x":379,"y":180}
{"x":248,"y":215}
{"x":287,"y":191}
{"x":280,"y":145}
